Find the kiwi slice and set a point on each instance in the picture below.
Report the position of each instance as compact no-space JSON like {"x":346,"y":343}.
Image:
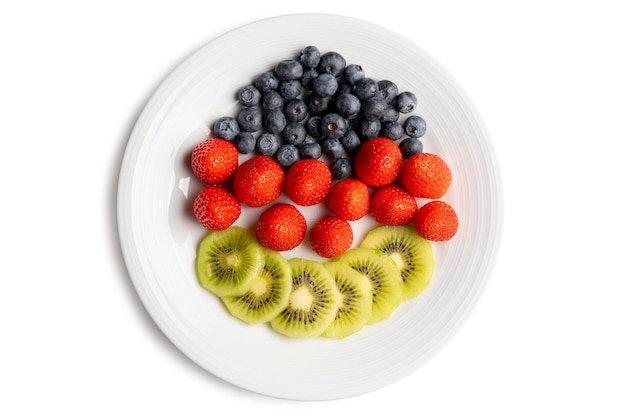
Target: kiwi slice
{"x":355,"y":305}
{"x":412,"y":253}
{"x":313,"y":301}
{"x":268,"y":293}
{"x":228,"y":260}
{"x":384,"y":276}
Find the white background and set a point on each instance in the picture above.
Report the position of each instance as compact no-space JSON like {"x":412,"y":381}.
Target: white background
{"x":548,"y":336}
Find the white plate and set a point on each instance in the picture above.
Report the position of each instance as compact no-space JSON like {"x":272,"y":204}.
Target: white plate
{"x":159,"y":235}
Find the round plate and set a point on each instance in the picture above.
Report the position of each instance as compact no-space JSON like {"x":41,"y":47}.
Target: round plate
{"x":159,"y":234}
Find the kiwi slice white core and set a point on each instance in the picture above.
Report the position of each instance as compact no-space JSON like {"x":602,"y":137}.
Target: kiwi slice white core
{"x":398,"y":259}
{"x":259,"y":287}
{"x":231,"y":260}
{"x":313,"y":301}
{"x":301,"y":299}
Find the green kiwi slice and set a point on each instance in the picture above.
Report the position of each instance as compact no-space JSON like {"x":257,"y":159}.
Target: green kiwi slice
{"x":385,"y":279}
{"x":267,"y":294}
{"x":313,"y":301}
{"x":228,"y":260}
{"x":355,"y":305}
{"x":412,"y":253}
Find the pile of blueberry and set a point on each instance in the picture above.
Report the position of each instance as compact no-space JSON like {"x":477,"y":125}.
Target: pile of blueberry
{"x":318,"y":105}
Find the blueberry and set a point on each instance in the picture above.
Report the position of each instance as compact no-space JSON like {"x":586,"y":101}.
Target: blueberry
{"x":341,"y":168}
{"x":347,"y":105}
{"x":411,"y":146}
{"x":289,"y":69}
{"x":249,"y":96}
{"x":266,"y":81}
{"x":333,"y":148}
{"x":350,"y":141}
{"x":388,"y":89}
{"x":307,"y":78}
{"x":296,"y":110}
{"x":332,"y":63}
{"x":317,"y":104}
{"x":289,"y":89}
{"x":226,"y":128}
{"x":310,"y":150}
{"x":406,"y":102}
{"x":274,"y":121}
{"x":313,"y":126}
{"x":333,"y":125}
{"x":245,"y":142}
{"x":294,"y":133}
{"x":390,"y":114}
{"x":271,"y":100}
{"x":287,"y":155}
{"x":250,"y":119}
{"x":310,"y":56}
{"x":353,"y":73}
{"x":391,"y":130}
{"x":373,"y":107}
{"x":415,"y":126}
{"x":324,"y":85}
{"x":365,"y":88}
{"x":369,"y":129}
{"x":267,"y":144}
{"x":344,"y":88}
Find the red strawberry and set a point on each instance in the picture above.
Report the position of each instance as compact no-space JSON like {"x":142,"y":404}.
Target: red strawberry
{"x":393,"y":205}
{"x":214,"y":160}
{"x":308,"y":181}
{"x":281,"y":227}
{"x":437,"y":221}
{"x":349,"y":199}
{"x":331,"y":236}
{"x":426,"y":175}
{"x":258,"y":181}
{"x":378,"y":162}
{"x":216,"y":208}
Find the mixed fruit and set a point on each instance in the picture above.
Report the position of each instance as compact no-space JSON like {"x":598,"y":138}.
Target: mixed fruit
{"x":320,"y":132}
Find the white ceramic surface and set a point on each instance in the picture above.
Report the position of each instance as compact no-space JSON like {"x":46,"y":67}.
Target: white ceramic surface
{"x":159,"y":235}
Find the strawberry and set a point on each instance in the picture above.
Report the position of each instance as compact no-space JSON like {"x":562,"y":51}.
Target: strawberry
{"x":216,"y":208}
{"x":426,"y":175}
{"x":281,"y":227}
{"x":308,"y":181}
{"x":393,"y":205}
{"x":349,"y":199}
{"x":258,"y":181}
{"x":331,"y":236}
{"x":214,"y":160}
{"x":436,"y":221}
{"x":378,"y":162}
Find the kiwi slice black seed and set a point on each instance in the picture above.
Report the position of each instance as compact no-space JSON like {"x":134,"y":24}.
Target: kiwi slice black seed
{"x":313,"y":301}
{"x":268,"y":293}
{"x":385,"y":279}
{"x":355,"y":305}
{"x":228,"y":260}
{"x":412,"y":254}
